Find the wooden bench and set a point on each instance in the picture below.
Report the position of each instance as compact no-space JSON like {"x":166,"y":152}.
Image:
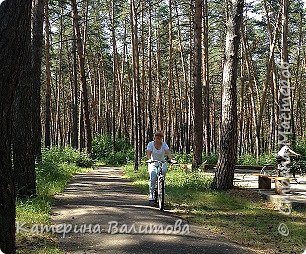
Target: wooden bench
{"x":264,"y":182}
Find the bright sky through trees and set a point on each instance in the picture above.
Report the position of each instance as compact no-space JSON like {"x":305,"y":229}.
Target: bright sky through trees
{"x":247,"y":1}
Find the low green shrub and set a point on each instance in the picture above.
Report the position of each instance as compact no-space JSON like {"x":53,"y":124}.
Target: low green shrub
{"x":176,"y":179}
{"x":267,"y":159}
{"x":180,"y":179}
{"x":250,"y":159}
{"x":118,"y":158}
{"x":58,"y":155}
{"x":102,"y":149}
{"x":84,"y":161}
{"x":101,"y":146}
{"x":57,"y":167}
{"x":183,"y":158}
{"x":210,"y":159}
{"x":247,"y":159}
{"x":301,"y":148}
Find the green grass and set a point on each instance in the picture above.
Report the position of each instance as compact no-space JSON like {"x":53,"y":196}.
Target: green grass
{"x":140,"y":177}
{"x":53,"y":173}
{"x":103,"y":150}
{"x":240,"y":215}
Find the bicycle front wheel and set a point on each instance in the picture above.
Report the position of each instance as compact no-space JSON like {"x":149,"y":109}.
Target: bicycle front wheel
{"x":161,"y":193}
{"x":269,"y":171}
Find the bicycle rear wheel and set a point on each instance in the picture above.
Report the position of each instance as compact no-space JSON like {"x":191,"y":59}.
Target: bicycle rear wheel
{"x":155,"y":195}
{"x":161,"y":193}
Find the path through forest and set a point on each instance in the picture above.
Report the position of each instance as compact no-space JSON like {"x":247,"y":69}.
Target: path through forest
{"x":106,"y":202}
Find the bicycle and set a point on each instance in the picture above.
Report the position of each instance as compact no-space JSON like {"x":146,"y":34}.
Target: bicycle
{"x":159,"y":191}
{"x":296,"y":168}
{"x":278,"y":169}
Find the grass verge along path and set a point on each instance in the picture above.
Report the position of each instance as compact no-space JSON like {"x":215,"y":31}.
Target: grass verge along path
{"x":53,"y":173}
{"x":241,"y":215}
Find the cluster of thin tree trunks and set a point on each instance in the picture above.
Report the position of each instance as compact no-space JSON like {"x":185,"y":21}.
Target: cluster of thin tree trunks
{"x":138,"y":91}
{"x":63,"y":87}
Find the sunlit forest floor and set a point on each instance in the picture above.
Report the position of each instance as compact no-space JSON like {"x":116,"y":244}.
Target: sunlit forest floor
{"x":241,"y":215}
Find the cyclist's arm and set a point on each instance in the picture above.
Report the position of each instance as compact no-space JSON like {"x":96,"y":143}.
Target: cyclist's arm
{"x":168,"y":153}
{"x":149,"y":150}
{"x":293,"y":153}
{"x":149,"y":153}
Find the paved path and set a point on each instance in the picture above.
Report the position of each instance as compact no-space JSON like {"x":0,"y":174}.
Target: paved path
{"x":103,"y":198}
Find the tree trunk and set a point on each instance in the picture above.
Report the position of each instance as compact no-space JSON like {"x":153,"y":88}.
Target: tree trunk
{"x":15,"y":59}
{"x":228,"y":141}
{"x":298,"y":86}
{"x":23,"y":149}
{"x":60,"y":85}
{"x":170,"y":77}
{"x":37,"y":42}
{"x":206,"y":80}
{"x":136,"y":86}
{"x":190,"y":115}
{"x":159,"y":94}
{"x":283,"y":100}
{"x":81,"y":54}
{"x":185,"y":112}
{"x":115,"y":80}
{"x":150,"y":104}
{"x":74,"y":95}
{"x":198,"y":104}
{"x":48,"y":79}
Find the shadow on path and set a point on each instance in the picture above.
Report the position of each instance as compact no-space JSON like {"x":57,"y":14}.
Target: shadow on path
{"x":119,"y":220}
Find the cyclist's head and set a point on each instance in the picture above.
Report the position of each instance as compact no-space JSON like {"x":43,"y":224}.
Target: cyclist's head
{"x":159,"y":134}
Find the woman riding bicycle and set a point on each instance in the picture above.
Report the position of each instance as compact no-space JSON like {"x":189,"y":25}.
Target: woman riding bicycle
{"x":156,"y":150}
{"x":284,"y":160}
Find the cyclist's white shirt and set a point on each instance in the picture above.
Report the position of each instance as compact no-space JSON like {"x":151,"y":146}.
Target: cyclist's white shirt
{"x":157,"y":154}
{"x":284,"y":152}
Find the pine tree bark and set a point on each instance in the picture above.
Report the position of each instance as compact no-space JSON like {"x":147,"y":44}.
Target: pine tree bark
{"x":150,"y":91}
{"x":81,"y":54}
{"x":115,"y":68}
{"x":298,"y":86}
{"x":284,"y":62}
{"x":228,"y":141}
{"x":37,"y":42}
{"x":159,"y":94}
{"x":136,"y":86}
{"x":15,"y":39}
{"x":206,"y":80}
{"x":198,"y":103}
{"x":169,"y":133}
{"x":74,"y":95}
{"x":190,"y":115}
{"x":48,"y":79}
{"x":23,"y":117}
{"x":185,"y":95}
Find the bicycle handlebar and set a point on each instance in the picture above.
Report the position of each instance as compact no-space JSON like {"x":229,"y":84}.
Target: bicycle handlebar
{"x":153,"y":161}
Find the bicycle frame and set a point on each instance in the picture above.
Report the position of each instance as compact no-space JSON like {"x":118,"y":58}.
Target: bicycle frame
{"x":280,"y":169}
{"x":159,"y":192}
